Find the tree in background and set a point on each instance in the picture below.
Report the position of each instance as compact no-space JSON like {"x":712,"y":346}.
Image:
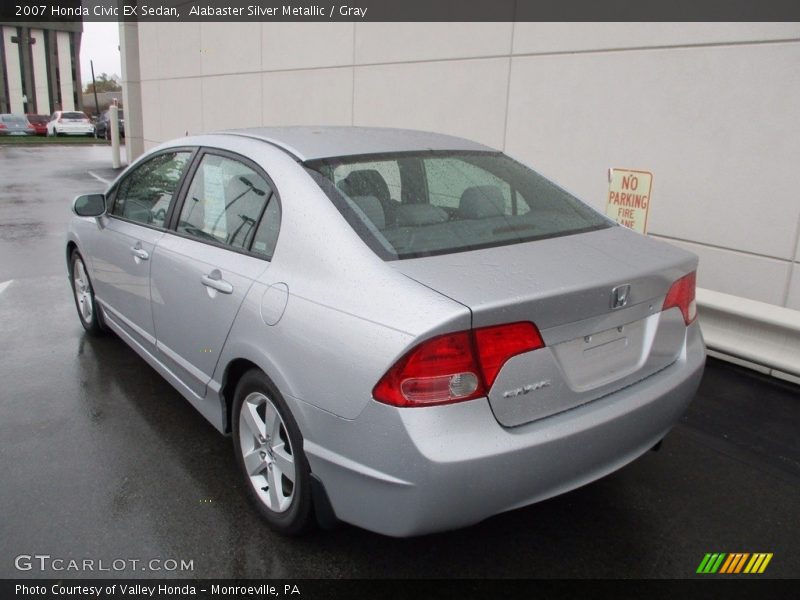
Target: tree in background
{"x":105,"y":83}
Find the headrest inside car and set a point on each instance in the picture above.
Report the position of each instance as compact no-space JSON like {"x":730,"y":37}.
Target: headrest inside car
{"x":412,"y":215}
{"x":482,"y":202}
{"x":365,"y":182}
{"x":372,"y":208}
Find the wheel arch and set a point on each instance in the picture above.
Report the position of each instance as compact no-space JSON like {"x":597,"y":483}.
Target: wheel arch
{"x":235,"y":367}
{"x":72,"y":246}
{"x":234,"y":371}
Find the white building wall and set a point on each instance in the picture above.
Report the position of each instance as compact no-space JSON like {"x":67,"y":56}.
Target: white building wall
{"x":131,"y":88}
{"x":13,"y":73}
{"x":711,"y":109}
{"x":40,"y":73}
{"x":65,"y":70}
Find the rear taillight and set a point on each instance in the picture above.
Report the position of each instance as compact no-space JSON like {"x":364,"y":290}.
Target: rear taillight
{"x":2,"y":126}
{"x":455,"y":367}
{"x":681,"y":295}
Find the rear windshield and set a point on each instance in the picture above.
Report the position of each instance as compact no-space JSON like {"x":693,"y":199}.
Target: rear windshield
{"x":15,"y":120}
{"x":38,"y":118}
{"x":408,"y":205}
{"x":73,"y":115}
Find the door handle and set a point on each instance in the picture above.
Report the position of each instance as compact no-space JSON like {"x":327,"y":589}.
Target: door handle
{"x":139,"y":252}
{"x":214,"y":280}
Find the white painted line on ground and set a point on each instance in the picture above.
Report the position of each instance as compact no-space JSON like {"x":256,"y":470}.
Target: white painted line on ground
{"x":96,"y":176}
{"x":5,"y":284}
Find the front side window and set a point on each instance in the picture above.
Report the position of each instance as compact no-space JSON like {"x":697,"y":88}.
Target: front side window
{"x":224,"y":204}
{"x":145,"y":194}
{"x":440,"y":202}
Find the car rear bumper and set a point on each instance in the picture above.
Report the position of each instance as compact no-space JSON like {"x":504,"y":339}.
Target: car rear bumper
{"x":404,"y":472}
{"x":75,"y":129}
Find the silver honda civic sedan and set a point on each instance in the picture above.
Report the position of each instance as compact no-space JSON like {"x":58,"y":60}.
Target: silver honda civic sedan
{"x":405,"y":331}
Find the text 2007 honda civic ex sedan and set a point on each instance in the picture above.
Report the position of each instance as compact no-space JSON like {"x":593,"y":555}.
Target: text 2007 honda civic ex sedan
{"x":405,"y":331}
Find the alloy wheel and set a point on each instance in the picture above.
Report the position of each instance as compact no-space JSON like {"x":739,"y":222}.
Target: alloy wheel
{"x":83,"y":292}
{"x":267,"y":452}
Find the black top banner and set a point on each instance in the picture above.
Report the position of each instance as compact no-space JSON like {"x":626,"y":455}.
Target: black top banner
{"x":399,"y":10}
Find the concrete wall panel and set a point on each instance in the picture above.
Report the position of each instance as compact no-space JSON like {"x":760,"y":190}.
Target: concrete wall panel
{"x":530,"y":38}
{"x":465,"y":97}
{"x":308,"y":97}
{"x":719,"y":138}
{"x":306,"y":45}
{"x":401,"y":42}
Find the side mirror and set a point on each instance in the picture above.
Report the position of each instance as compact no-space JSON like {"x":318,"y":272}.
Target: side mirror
{"x":89,"y":205}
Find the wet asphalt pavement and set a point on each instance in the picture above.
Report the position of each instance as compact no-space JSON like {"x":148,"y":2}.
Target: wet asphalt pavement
{"x":101,"y":459}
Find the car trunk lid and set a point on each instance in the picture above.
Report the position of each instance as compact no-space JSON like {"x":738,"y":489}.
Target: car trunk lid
{"x":568,"y":286}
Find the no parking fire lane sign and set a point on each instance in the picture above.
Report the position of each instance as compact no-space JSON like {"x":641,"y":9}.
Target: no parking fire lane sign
{"x":629,"y":197}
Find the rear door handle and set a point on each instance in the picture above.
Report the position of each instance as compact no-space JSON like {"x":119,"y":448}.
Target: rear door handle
{"x":139,"y":252}
{"x":215,"y":280}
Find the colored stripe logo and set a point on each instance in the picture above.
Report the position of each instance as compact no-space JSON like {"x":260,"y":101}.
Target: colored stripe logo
{"x":734,"y":563}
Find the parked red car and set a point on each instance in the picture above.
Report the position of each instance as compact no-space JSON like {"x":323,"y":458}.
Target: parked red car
{"x":39,"y":123}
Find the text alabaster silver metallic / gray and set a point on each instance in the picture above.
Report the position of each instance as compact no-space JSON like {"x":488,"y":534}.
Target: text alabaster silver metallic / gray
{"x":326,"y":317}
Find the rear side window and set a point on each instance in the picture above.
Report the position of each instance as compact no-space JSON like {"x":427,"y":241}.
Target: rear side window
{"x":267,"y":233}
{"x":145,"y":194}
{"x":224,"y":204}
{"x":419,"y":204}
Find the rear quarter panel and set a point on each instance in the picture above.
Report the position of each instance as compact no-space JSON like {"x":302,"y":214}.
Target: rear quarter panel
{"x":347,"y":315}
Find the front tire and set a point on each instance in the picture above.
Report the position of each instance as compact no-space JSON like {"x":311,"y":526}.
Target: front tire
{"x":83,"y":292}
{"x":269,"y":451}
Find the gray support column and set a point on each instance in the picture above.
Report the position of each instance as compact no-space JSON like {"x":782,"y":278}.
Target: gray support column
{"x":76,"y":57}
{"x":52,"y":79}
{"x":131,"y":89}
{"x":3,"y":79}
{"x":26,"y":54}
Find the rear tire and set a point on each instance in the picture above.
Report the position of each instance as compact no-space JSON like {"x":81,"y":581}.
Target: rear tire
{"x":269,"y":451}
{"x":83,"y":293}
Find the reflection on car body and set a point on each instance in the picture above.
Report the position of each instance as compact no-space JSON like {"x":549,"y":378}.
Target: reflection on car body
{"x":405,"y":331}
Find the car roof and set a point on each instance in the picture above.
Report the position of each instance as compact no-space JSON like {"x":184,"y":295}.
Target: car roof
{"x":308,"y":143}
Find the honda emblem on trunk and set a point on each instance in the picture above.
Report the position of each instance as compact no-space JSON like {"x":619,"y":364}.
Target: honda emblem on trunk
{"x":619,"y":295}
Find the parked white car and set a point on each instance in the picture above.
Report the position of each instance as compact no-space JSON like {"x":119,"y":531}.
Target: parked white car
{"x":69,"y":123}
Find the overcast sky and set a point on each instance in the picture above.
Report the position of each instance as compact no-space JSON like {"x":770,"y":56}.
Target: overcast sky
{"x":100,"y":43}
